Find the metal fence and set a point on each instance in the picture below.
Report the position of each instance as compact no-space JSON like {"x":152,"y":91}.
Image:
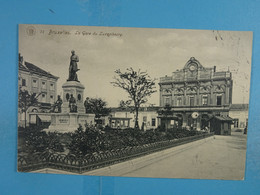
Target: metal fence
{"x":72,"y":163}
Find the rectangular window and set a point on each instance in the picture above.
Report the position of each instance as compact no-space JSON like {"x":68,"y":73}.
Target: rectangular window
{"x":144,"y":118}
{"x":35,"y":84}
{"x":51,"y":99}
{"x":219,"y":97}
{"x":205,"y":100}
{"x":113,"y":123}
{"x":167,"y":101}
{"x":43,"y":98}
{"x":179,"y":101}
{"x":236,"y":122}
{"x":51,"y":86}
{"x":191,"y":101}
{"x":23,"y":82}
{"x":153,"y":122}
{"x":43,"y":85}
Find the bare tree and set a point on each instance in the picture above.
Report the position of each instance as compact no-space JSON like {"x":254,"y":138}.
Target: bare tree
{"x":126,"y":106}
{"x":138,"y":85}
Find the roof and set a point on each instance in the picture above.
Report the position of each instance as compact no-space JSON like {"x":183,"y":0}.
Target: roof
{"x":29,"y":67}
{"x":239,"y":107}
{"x":22,"y":67}
{"x":142,"y":109}
{"x":223,"y":118}
{"x":120,"y":118}
{"x":169,"y":117}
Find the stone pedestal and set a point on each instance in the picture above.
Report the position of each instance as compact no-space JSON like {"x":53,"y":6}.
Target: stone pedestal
{"x":69,"y":122}
{"x":77,"y":90}
{"x":66,"y":121}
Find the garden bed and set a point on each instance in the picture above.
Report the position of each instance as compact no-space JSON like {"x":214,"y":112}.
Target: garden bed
{"x":92,"y":148}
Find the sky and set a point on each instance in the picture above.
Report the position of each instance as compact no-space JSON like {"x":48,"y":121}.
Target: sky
{"x":102,"y":50}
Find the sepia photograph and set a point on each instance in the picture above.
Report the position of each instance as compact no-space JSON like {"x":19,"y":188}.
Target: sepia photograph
{"x":133,"y":102}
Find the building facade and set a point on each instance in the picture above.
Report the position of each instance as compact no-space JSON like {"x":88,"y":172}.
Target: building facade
{"x":195,"y":95}
{"x":124,"y":118}
{"x":239,"y":113}
{"x":36,"y":81}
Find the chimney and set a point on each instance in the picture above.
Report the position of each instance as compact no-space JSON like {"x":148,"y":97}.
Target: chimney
{"x":214,"y":68}
{"x":20,"y":58}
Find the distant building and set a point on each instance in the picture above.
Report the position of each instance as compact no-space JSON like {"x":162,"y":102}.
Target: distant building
{"x":239,"y":113}
{"x":196,"y":95}
{"x":38,"y":81}
{"x":124,"y":118}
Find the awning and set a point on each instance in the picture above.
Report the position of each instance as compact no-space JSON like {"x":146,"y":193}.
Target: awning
{"x":44,"y":118}
{"x":170,"y":117}
{"x":224,"y":118}
{"x":209,"y":117}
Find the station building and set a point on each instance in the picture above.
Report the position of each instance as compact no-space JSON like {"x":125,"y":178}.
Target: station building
{"x":198,"y":96}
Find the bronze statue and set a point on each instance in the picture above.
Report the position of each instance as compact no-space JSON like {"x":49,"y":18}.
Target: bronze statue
{"x":72,"y":104}
{"x":57,"y":105}
{"x":73,"y":67}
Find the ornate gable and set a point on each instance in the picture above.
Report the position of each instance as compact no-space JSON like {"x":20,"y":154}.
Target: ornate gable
{"x":193,"y":65}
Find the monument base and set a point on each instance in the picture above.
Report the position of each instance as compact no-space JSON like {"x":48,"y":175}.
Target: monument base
{"x":69,"y":122}
{"x":75,"y":89}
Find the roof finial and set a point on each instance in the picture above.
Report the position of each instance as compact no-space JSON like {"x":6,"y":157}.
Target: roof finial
{"x":192,"y":58}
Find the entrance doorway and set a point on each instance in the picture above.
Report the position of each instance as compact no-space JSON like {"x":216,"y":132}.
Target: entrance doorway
{"x":204,"y":121}
{"x":192,"y":123}
{"x":180,"y":120}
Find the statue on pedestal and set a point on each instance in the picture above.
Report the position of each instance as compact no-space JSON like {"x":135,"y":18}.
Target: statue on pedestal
{"x":57,"y":105}
{"x":73,"y":68}
{"x":72,"y":104}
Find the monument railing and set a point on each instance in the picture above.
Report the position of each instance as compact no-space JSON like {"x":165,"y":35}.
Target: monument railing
{"x":71,"y":163}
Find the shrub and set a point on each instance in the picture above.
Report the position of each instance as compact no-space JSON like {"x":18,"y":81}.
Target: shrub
{"x":86,"y":141}
{"x":33,"y":140}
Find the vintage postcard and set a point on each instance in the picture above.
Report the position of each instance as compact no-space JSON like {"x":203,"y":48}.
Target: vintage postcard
{"x":133,"y":102}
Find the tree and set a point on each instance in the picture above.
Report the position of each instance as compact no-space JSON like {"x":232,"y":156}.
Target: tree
{"x":126,"y":105}
{"x":96,"y":106}
{"x":138,"y":85}
{"x":166,"y":112}
{"x":26,"y":100}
